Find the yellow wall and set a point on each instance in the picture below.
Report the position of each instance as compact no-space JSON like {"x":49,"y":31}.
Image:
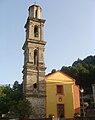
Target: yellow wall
{"x":52,"y":98}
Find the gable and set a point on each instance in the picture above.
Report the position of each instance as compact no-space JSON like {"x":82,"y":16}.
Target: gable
{"x":59,"y":77}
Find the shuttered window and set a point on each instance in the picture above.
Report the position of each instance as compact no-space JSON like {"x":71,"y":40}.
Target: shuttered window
{"x":59,"y":89}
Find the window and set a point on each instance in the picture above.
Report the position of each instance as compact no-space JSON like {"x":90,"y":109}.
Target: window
{"x":36,"y":31}
{"x":35,"y":85}
{"x":59,"y":89}
{"x":36,"y":13}
{"x":35,"y":57}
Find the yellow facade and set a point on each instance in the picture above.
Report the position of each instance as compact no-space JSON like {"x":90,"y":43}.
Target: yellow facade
{"x":64,"y":102}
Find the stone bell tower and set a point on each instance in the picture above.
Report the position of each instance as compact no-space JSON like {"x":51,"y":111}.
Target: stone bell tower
{"x":34,"y":66}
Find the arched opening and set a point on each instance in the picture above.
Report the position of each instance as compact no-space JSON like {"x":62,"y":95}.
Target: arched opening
{"x":35,"y":85}
{"x":36,"y":12}
{"x":35,"y":57}
{"x":36,"y":31}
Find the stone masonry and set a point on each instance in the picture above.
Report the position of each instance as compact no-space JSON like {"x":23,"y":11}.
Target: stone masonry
{"x":34,"y":67}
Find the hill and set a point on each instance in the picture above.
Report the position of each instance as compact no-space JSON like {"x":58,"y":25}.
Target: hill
{"x":83,"y":71}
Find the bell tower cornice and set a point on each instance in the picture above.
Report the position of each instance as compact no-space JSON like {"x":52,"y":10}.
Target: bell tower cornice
{"x":29,"y":21}
{"x":33,"y":41}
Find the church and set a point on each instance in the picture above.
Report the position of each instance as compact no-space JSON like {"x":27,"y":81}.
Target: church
{"x":34,"y":80}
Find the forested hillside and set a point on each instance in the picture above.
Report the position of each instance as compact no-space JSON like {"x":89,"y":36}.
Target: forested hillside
{"x":83,"y":71}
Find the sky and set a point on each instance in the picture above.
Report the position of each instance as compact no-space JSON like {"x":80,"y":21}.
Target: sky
{"x":69,"y":32}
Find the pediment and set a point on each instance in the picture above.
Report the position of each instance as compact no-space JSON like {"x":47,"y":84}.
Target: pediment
{"x":59,"y":77}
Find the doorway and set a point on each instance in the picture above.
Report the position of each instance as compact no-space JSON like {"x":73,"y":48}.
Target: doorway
{"x":60,"y":110}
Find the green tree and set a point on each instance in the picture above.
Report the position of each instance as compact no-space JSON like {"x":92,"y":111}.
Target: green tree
{"x":4,"y":99}
{"x":9,"y":97}
{"x":24,"y":109}
{"x":83,"y":71}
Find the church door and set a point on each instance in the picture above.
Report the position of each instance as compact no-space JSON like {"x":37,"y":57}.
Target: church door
{"x":60,"y":110}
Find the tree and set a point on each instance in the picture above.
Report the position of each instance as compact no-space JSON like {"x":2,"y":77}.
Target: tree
{"x":4,"y":99}
{"x":24,"y":109}
{"x":9,"y":97}
{"x":11,"y":101}
{"x":83,"y":71}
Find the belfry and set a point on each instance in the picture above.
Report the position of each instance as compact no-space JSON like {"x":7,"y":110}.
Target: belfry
{"x":34,"y":66}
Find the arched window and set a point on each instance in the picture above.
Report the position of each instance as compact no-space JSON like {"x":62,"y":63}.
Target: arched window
{"x":36,"y":13}
{"x":35,"y":57}
{"x":36,"y":31}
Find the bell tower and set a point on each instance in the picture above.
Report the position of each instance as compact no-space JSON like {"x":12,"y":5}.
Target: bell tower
{"x":34,"y":66}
